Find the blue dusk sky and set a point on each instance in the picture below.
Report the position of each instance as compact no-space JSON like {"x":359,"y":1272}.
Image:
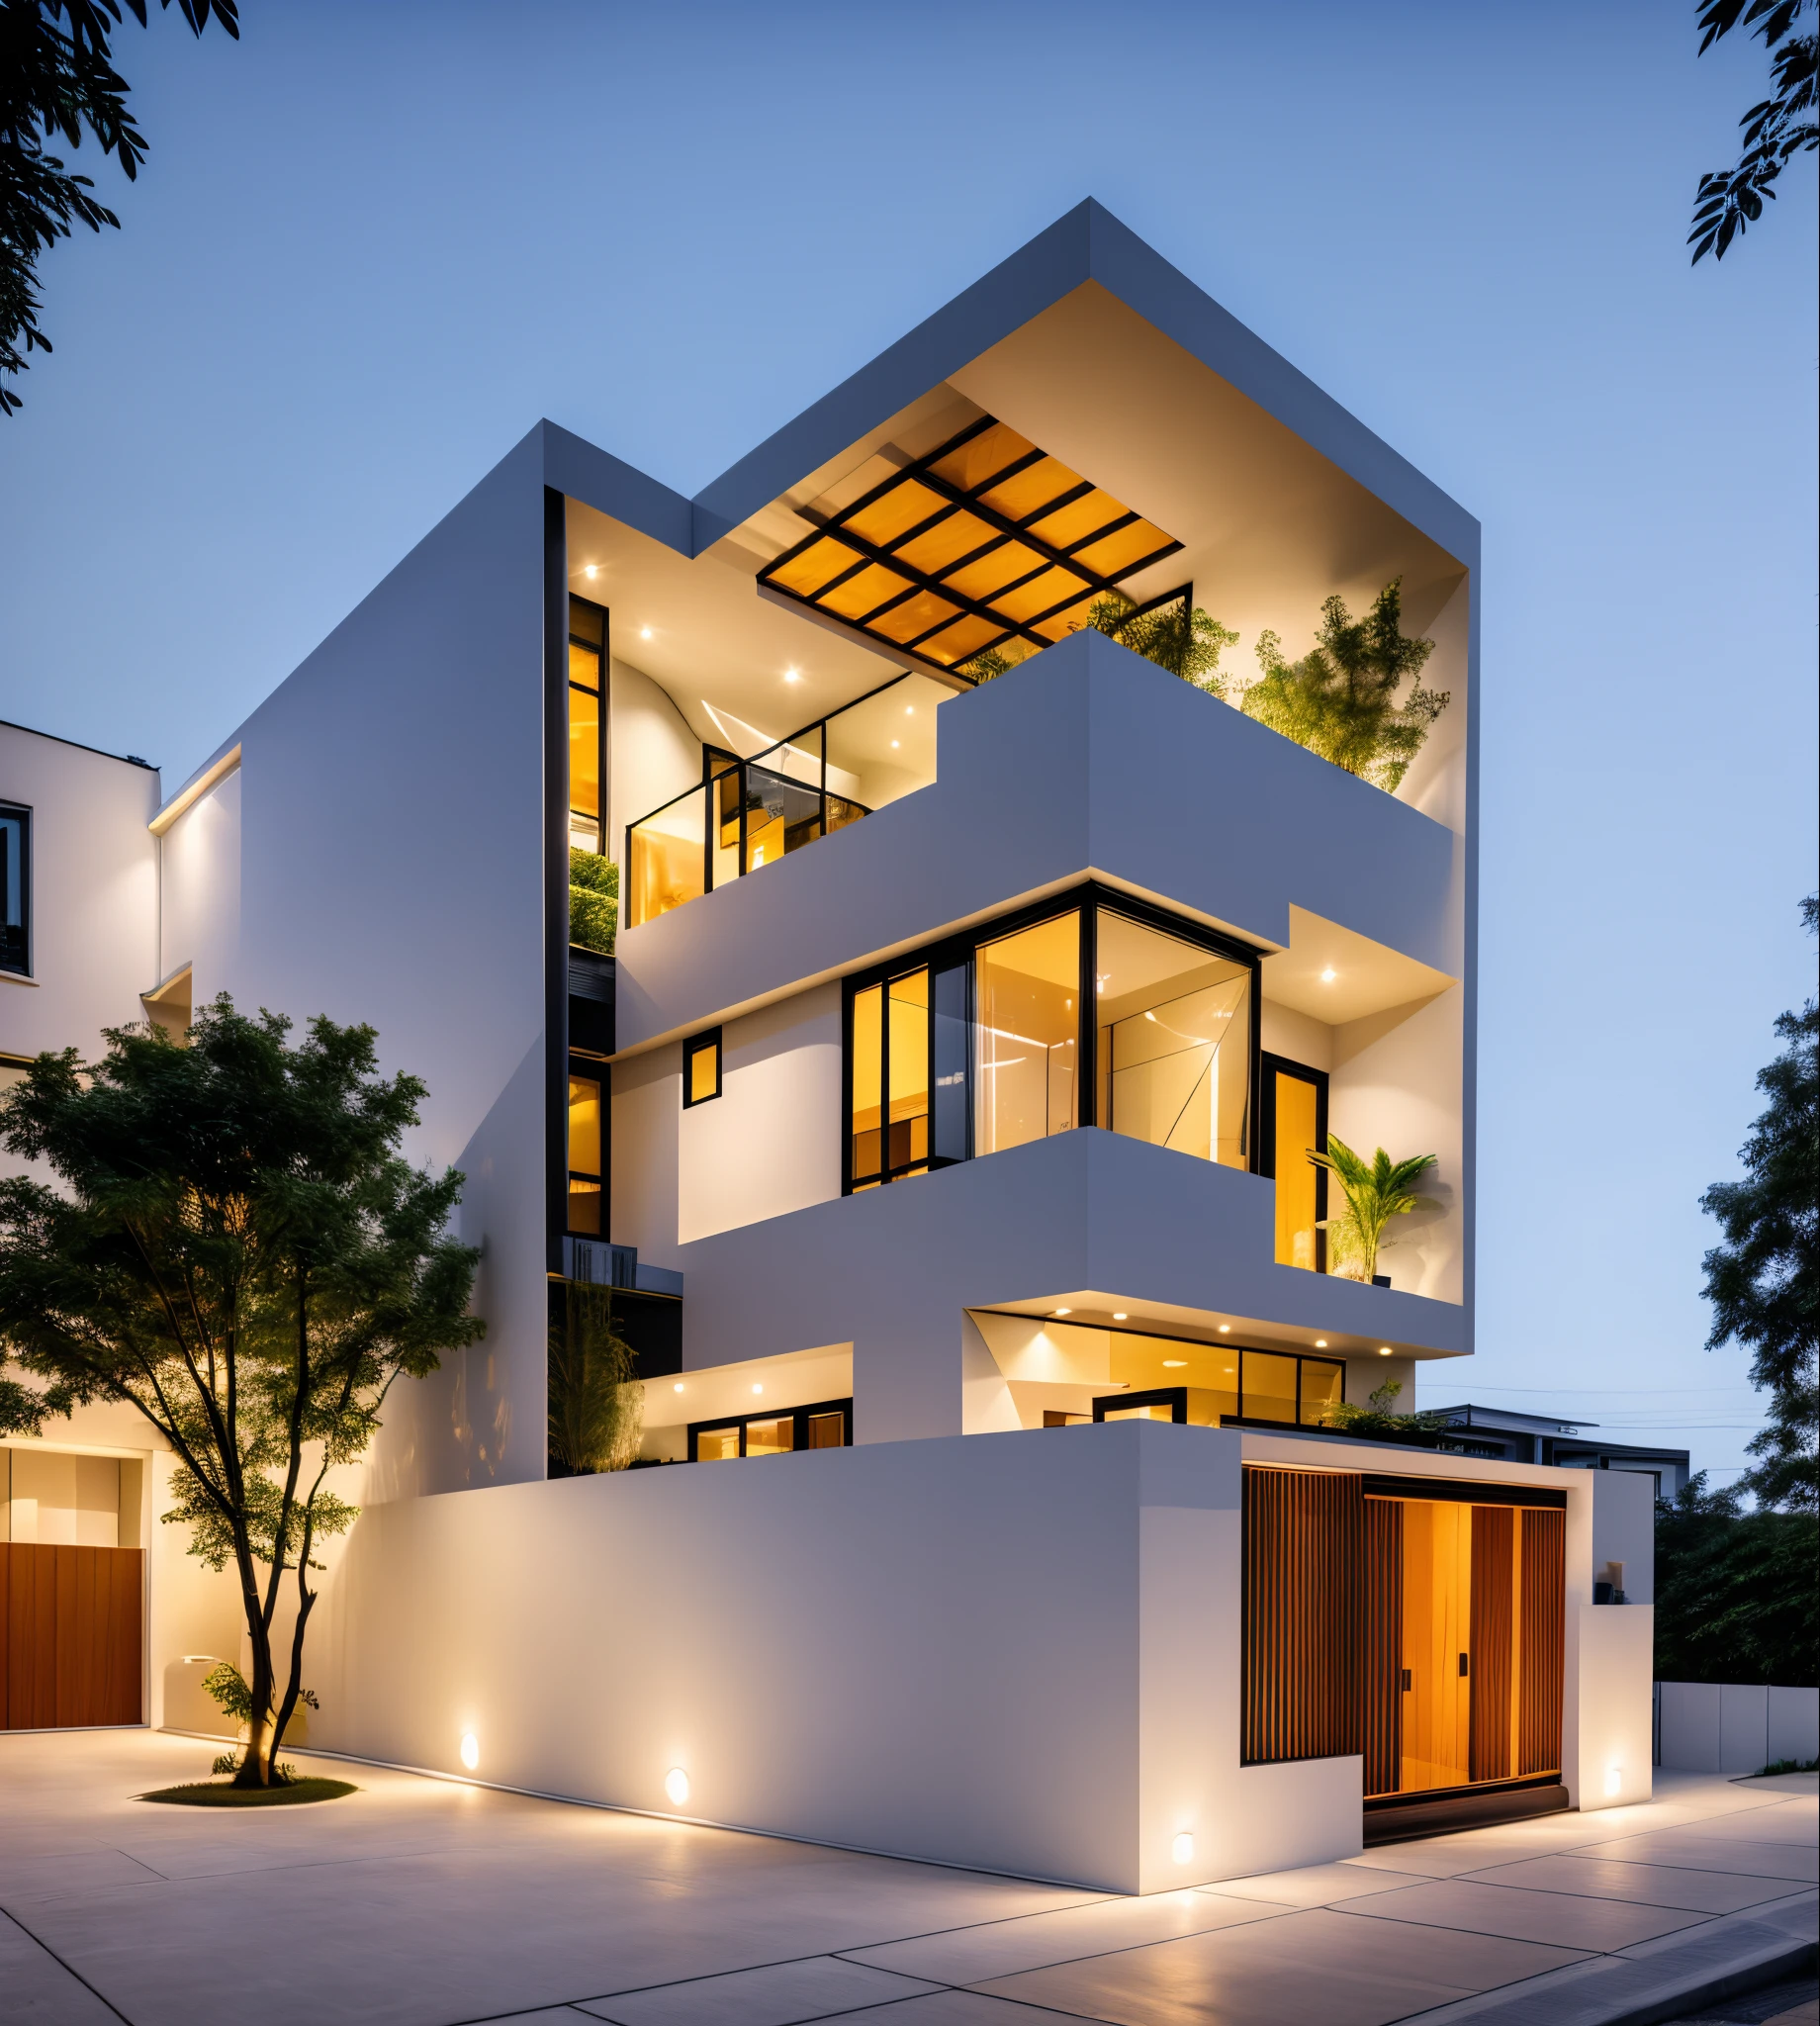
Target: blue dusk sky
{"x":374,"y":243}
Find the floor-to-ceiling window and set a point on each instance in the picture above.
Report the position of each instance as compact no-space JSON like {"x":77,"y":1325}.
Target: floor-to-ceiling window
{"x":1293,"y":1124}
{"x":587,"y":744}
{"x":979,"y":1045}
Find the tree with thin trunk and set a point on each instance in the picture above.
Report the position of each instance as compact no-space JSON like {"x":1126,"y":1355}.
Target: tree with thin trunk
{"x":237,"y":1250}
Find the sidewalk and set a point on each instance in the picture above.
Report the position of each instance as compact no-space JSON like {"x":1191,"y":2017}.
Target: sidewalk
{"x":425,"y":1903}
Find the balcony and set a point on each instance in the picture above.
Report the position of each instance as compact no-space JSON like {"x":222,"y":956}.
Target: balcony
{"x":750,"y":812}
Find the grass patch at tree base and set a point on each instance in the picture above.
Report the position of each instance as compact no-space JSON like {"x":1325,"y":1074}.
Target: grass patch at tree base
{"x":219,"y":1794}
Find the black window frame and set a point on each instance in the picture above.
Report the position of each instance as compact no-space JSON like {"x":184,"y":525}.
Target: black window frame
{"x":1152,"y":1394}
{"x":589,"y":1069}
{"x":1270,"y":1067}
{"x":16,"y":944}
{"x":801,"y":1416}
{"x":949,"y":952}
{"x":698,"y":1043}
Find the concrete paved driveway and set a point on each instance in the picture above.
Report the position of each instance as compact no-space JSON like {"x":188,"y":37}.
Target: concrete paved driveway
{"x":423,"y":1903}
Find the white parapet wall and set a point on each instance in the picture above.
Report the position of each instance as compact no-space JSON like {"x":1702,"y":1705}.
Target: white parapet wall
{"x":1737,"y":1728}
{"x":1606,"y":1748}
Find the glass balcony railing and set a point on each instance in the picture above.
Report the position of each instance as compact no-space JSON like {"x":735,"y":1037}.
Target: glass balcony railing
{"x":751,"y":812}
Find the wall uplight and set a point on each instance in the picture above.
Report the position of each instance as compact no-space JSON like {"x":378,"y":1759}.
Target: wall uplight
{"x":1182,"y":1849}
{"x":470,"y":1750}
{"x":1614,"y":1781}
{"x":676,"y":1785}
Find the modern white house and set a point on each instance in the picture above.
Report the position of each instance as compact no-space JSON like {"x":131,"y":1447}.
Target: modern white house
{"x":939,"y":1114}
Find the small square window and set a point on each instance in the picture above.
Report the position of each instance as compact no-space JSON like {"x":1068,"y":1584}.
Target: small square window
{"x":701,"y":1068}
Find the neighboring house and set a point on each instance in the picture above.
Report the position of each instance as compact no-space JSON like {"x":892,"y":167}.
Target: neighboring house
{"x":1541,"y":1439}
{"x":1061,"y":1586}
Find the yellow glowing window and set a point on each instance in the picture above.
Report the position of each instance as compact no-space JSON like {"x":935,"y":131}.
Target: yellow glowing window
{"x":827,"y":1431}
{"x":1297,"y":1101}
{"x":865,"y":591}
{"x":584,"y":1125}
{"x":895,"y":512}
{"x":915,"y":616}
{"x":818,"y":563}
{"x":981,"y":458}
{"x":1113,"y":554}
{"x":991,"y":572}
{"x":770,"y":1437}
{"x":1079,"y":518}
{"x":943,"y":545}
{"x":702,"y":1069}
{"x":965,"y":638}
{"x":1027,"y":492}
{"x":584,"y":666}
{"x":1052,"y":588}
{"x":717,"y":1446}
{"x":584,"y":752}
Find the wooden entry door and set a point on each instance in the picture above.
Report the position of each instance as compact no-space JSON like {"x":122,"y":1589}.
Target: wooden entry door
{"x":71,"y":1635}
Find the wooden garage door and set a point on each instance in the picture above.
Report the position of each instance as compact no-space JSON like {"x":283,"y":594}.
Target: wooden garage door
{"x":70,"y":1620}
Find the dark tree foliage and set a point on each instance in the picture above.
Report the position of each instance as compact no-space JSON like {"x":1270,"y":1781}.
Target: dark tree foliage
{"x":1777,"y":129}
{"x":56,"y":77}
{"x":1737,"y":1593}
{"x":238,"y":1250}
{"x":1764,"y":1281}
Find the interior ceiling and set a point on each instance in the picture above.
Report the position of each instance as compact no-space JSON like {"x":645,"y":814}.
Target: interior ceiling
{"x":1095,"y":1308}
{"x":986,"y":543}
{"x":1367,"y":977}
{"x":1267,"y":526}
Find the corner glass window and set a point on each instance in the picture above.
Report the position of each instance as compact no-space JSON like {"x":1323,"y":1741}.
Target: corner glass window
{"x":1174,"y":1050}
{"x":702,"y":1069}
{"x":1027,"y":1035}
{"x":585,"y":1144}
{"x":15,"y":890}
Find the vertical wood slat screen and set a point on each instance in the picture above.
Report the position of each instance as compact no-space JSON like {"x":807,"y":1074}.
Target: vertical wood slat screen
{"x":1383,"y":1645}
{"x":71,"y":1635}
{"x":1492,"y":1607}
{"x":1543,"y":1607}
{"x":1303,"y":1535}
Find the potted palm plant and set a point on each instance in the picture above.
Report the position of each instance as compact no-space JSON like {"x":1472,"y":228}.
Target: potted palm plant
{"x":1375,"y":1191}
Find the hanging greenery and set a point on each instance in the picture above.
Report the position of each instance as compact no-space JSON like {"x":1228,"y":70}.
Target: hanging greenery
{"x":596,"y":1404}
{"x":593,"y":900}
{"x":1340,"y":699}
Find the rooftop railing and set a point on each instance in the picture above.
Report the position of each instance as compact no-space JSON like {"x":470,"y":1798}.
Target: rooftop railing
{"x":749,"y":814}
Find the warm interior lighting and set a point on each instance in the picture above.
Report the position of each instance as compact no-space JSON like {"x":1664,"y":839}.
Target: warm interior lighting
{"x":1384,"y":1351}
{"x":644,"y":632}
{"x":1182,"y":1849}
{"x":1117,"y":1315}
{"x":1174,"y":1365}
{"x":757,"y":1389}
{"x":1328,"y":976}
{"x":470,"y":1750}
{"x":1614,"y":1780}
{"x":1321,"y":1344}
{"x":984,"y":543}
{"x":678,"y":1385}
{"x":895,"y":745}
{"x":1063,"y":1311}
{"x":791,"y":676}
{"x":591,"y":572}
{"x":676,"y":1785}
{"x":1226,"y":1329}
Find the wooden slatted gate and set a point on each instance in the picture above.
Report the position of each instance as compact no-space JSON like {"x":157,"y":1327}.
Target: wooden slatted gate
{"x":71,"y":1635}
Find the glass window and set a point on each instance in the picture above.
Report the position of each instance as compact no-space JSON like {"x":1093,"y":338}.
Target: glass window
{"x":584,"y":768}
{"x":717,"y":1446}
{"x":15,"y":890}
{"x":867,"y":1056}
{"x":702,"y":1069}
{"x":1295,"y":1133}
{"x":1269,"y":1386}
{"x":828,"y":1430}
{"x":775,"y":1437}
{"x":585,"y":1167}
{"x":1321,"y":1385}
{"x":1028,"y":1021}
{"x":1174,"y":1028}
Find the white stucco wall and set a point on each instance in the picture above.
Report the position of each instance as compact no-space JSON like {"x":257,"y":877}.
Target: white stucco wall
{"x":199,"y":915}
{"x":653,"y":755}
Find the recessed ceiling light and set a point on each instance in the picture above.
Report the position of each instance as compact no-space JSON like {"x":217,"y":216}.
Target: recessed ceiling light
{"x":1062,"y":1312}
{"x":1117,"y":1315}
{"x":1384,"y":1351}
{"x":1328,"y":976}
{"x":909,"y":709}
{"x":1321,"y":1344}
{"x":1226,"y":1329}
{"x":791,"y":676}
{"x":893,"y":745}
{"x":591,"y":572}
{"x":678,"y":1385}
{"x":757,"y":1389}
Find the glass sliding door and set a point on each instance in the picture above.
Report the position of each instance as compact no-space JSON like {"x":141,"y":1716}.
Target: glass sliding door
{"x":1174,"y":1025}
{"x":1027,"y":1035}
